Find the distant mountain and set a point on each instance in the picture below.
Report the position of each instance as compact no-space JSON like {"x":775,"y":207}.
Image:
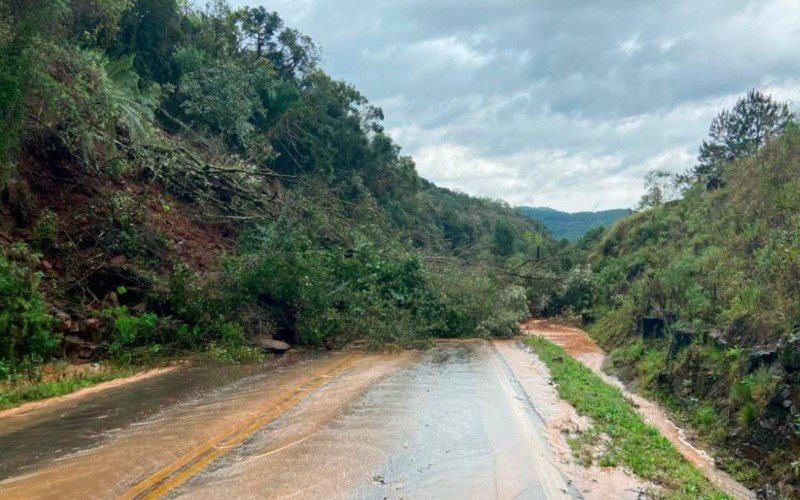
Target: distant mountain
{"x":572,"y":225}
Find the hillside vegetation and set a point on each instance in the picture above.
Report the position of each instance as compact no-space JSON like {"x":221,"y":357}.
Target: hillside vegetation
{"x":721,"y":265}
{"x":573,"y":226}
{"x":179,"y":179}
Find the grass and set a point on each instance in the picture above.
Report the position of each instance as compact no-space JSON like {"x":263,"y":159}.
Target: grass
{"x":15,"y":395}
{"x":630,"y":442}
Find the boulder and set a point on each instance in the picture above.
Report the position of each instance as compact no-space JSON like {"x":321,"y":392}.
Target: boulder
{"x":790,"y":354}
{"x":272,"y":345}
{"x":653,"y":328}
{"x":77,"y":349}
{"x":718,"y":338}
{"x":763,"y":355}
{"x":64,"y":321}
{"x":92,"y":325}
{"x":681,"y":339}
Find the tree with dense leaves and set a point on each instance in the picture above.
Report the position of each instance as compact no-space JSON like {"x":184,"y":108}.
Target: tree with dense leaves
{"x":503,"y":239}
{"x":739,"y":133}
{"x":259,"y":28}
{"x":150,"y":31}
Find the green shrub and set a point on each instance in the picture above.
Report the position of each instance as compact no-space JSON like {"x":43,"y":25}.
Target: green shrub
{"x":26,"y":335}
{"x":705,"y":417}
{"x":131,"y":332}
{"x":761,"y":385}
{"x":747,"y":415}
{"x":45,"y":232}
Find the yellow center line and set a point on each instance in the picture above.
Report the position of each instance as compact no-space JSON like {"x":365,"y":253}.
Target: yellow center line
{"x":196,"y":459}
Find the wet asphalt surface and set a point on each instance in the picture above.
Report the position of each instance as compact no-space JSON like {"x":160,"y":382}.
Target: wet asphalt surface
{"x":451,"y":422}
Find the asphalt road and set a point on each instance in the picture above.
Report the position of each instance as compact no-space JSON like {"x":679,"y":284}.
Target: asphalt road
{"x":451,"y":422}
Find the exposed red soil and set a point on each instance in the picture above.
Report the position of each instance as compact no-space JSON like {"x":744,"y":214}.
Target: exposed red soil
{"x":83,"y":255}
{"x":80,"y":200}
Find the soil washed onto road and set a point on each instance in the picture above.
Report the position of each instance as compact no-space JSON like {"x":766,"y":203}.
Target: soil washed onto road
{"x":466,"y":419}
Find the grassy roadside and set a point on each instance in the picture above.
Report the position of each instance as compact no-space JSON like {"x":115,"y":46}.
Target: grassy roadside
{"x":619,"y":436}
{"x":25,"y":392}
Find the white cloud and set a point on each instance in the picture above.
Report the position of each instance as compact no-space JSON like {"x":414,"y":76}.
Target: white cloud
{"x":556,"y":103}
{"x":433,"y":54}
{"x":630,"y":46}
{"x":669,"y":43}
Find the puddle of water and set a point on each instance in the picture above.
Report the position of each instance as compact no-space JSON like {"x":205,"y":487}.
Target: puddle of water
{"x":579,"y":345}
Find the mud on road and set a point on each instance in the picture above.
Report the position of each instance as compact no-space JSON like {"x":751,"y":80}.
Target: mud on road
{"x":467,"y":419}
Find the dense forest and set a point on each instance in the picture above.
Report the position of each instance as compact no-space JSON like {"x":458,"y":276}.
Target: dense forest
{"x":177,"y":178}
{"x":573,"y":226}
{"x":697,"y":294}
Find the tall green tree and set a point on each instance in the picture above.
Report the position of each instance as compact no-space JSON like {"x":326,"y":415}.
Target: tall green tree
{"x":259,"y":28}
{"x":150,"y":31}
{"x":503,"y":239}
{"x":24,"y":26}
{"x":740,"y":132}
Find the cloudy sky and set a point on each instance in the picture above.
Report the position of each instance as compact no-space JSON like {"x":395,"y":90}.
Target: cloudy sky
{"x":560,"y":103}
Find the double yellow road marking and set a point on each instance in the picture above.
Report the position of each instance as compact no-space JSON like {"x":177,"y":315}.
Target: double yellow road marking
{"x":187,"y":465}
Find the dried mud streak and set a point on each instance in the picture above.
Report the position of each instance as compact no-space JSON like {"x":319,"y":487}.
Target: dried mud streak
{"x":580,"y":346}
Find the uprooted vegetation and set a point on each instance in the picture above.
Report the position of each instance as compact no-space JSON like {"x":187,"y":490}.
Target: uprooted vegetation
{"x":178,"y":179}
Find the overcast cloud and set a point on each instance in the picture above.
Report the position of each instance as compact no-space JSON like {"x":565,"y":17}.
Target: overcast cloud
{"x":558,"y":103}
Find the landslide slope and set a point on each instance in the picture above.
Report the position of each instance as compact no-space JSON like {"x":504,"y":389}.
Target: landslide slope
{"x":177,"y":178}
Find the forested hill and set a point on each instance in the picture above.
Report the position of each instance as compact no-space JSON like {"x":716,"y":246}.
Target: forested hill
{"x":719,"y":265}
{"x":178,"y":178}
{"x":572,"y":225}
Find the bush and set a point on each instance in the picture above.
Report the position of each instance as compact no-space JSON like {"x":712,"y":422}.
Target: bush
{"x":45,"y":232}
{"x":131,"y":332}
{"x":510,"y":309}
{"x":26,"y":336}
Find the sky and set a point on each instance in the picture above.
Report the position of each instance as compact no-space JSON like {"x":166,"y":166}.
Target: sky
{"x":558,"y":103}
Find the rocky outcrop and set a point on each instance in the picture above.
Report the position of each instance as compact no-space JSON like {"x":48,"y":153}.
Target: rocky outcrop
{"x":790,"y":353}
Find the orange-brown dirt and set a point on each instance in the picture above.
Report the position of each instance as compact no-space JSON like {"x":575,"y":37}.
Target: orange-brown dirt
{"x":87,"y":263}
{"x":78,"y":197}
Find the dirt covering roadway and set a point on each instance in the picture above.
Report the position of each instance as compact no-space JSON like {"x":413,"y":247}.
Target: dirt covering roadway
{"x":466,"y":419}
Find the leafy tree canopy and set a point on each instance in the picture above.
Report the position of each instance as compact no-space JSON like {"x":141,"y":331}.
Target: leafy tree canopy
{"x":740,"y":132}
